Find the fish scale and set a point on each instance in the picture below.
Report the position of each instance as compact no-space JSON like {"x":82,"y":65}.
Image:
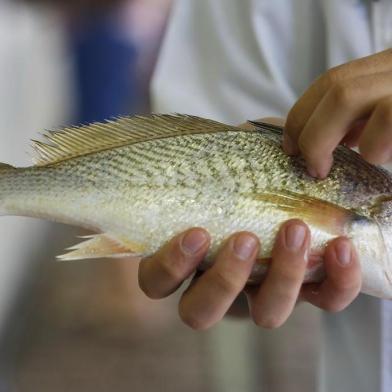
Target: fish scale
{"x":138,"y":181}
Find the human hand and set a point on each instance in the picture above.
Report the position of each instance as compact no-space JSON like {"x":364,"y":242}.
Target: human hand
{"x":350,"y":104}
{"x":210,"y":295}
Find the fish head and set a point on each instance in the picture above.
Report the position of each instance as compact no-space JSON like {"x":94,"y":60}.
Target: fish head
{"x":373,"y":241}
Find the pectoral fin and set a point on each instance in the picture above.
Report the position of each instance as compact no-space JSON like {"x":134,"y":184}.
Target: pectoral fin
{"x":323,"y":214}
{"x":98,"y":246}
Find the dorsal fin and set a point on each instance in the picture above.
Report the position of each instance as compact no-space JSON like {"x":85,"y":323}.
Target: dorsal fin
{"x":78,"y":141}
{"x":263,"y":126}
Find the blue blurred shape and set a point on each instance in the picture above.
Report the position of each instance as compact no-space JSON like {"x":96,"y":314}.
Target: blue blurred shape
{"x":105,"y":62}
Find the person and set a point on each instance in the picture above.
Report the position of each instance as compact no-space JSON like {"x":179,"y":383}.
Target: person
{"x":232,"y":61}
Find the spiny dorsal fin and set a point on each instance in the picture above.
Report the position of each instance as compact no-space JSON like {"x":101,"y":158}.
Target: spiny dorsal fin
{"x":263,"y":126}
{"x":78,"y":141}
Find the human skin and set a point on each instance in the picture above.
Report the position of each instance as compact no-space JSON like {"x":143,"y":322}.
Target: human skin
{"x":350,"y":104}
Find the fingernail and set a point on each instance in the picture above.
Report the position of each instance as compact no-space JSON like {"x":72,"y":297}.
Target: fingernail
{"x":295,"y":236}
{"x":193,"y":241}
{"x":244,"y":246}
{"x":343,"y":253}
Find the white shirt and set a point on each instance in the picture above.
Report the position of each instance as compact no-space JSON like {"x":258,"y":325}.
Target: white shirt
{"x":235,"y":60}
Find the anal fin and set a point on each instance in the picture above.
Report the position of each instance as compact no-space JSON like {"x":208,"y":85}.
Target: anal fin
{"x":100,"y":246}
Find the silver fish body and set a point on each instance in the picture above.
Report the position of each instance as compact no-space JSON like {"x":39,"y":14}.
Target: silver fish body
{"x":139,"y":181}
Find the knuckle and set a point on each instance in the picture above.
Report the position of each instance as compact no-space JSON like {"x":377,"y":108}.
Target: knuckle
{"x":292,"y":272}
{"x":286,"y":285}
{"x":332,"y":76}
{"x":171,"y":270}
{"x":345,"y":285}
{"x":343,"y":94}
{"x":226,"y":281}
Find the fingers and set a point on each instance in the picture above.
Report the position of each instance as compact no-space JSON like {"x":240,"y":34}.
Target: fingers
{"x":305,"y":106}
{"x":334,"y":116}
{"x":207,"y":300}
{"x":324,"y":116}
{"x":375,"y":143}
{"x":273,"y":302}
{"x":209,"y":297}
{"x":161,"y":274}
{"x":343,"y":278}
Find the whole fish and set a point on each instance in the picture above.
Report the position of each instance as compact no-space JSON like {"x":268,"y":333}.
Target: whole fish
{"x":138,"y":181}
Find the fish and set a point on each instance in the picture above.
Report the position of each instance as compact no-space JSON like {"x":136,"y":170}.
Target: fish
{"x":136,"y":181}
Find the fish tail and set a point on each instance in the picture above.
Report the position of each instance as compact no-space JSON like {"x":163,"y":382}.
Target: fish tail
{"x":4,"y":170}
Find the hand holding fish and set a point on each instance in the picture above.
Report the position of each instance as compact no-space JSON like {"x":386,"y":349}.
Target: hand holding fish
{"x":139,"y":181}
{"x":211,"y":294}
{"x":209,"y":297}
{"x":350,"y":104}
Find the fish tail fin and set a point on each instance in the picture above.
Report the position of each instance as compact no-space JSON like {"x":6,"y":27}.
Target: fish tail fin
{"x":4,"y":168}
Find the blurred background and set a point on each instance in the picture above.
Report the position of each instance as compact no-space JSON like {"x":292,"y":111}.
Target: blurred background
{"x":81,"y":326}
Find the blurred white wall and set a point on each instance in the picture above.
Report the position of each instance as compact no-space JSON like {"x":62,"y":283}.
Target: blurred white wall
{"x":35,"y":93}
